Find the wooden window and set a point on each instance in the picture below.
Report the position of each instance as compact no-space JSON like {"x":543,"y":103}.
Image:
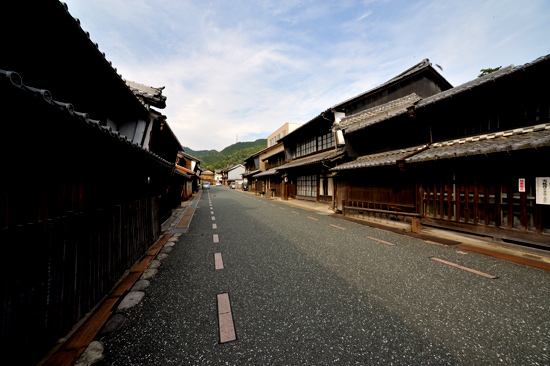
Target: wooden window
{"x":307,"y":186}
{"x":305,"y":147}
{"x":325,"y":141}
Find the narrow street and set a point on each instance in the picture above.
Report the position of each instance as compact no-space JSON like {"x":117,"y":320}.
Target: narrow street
{"x":255,"y":281}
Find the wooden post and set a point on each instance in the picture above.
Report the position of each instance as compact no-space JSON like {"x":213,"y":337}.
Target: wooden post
{"x":415,"y":226}
{"x":441,"y":200}
{"x":523,"y":218}
{"x":344,"y":207}
{"x":449,"y":200}
{"x":476,"y":203}
{"x":538,"y":219}
{"x":510,"y":206}
{"x":457,"y":201}
{"x":498,"y":210}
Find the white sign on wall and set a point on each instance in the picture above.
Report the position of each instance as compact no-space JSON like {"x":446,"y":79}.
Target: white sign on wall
{"x":521,"y":187}
{"x":543,"y":190}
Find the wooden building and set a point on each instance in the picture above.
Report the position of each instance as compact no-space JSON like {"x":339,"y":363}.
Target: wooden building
{"x":261,"y":171}
{"x":311,"y":151}
{"x":207,"y":175}
{"x":190,"y":167}
{"x":366,"y":110}
{"x":233,"y":173}
{"x":470,"y":158}
{"x":88,"y":173}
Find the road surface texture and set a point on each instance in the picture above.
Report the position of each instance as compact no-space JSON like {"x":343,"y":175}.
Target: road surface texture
{"x":257,"y":282}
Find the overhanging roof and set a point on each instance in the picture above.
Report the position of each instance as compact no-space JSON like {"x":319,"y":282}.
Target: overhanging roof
{"x":72,"y":60}
{"x":185,"y":170}
{"x":251,"y":172}
{"x":313,"y":159}
{"x":14,"y":80}
{"x":378,"y":114}
{"x":379,"y":159}
{"x":151,"y":95}
{"x":266,"y":173}
{"x":513,"y":140}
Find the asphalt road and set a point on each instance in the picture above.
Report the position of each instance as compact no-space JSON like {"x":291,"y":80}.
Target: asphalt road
{"x":309,"y":289}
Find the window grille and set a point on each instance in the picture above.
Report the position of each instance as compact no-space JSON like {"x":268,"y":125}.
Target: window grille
{"x":307,"y":186}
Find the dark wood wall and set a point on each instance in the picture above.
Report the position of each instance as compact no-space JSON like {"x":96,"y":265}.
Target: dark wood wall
{"x":58,"y":270}
{"x":481,"y":195}
{"x":379,"y":188}
{"x":78,"y":206}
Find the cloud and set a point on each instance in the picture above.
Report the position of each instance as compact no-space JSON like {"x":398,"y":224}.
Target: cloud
{"x":246,"y":67}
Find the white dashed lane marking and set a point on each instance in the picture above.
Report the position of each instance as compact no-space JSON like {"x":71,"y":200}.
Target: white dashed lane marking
{"x":380,"y":241}
{"x":218,"y":261}
{"x":464,"y":268}
{"x":225,"y":319}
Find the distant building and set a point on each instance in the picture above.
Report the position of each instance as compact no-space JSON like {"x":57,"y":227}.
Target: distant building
{"x":218,"y":177}
{"x":232,"y":174}
{"x":281,"y":132}
{"x":188,"y":166}
{"x":261,"y":170}
{"x":207,"y":176}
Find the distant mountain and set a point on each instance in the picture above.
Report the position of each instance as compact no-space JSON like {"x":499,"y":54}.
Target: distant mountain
{"x":198,"y":153}
{"x":232,"y":154}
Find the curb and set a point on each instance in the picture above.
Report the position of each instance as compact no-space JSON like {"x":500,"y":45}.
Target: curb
{"x":76,"y":344}
{"x":85,"y":332}
{"x":537,"y":258}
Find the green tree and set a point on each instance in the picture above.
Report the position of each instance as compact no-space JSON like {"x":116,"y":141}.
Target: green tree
{"x":488,"y":71}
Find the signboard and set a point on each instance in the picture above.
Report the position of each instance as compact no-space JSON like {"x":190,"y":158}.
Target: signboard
{"x":522,"y":184}
{"x":543,"y":191}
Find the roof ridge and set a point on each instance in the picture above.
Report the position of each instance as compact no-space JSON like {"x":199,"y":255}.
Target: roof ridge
{"x":385,"y":106}
{"x":503,"y":72}
{"x":425,"y":63}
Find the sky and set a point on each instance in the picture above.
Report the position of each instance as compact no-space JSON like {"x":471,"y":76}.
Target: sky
{"x":239,"y":70}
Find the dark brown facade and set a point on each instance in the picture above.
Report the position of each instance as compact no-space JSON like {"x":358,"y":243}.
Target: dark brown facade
{"x":311,"y":150}
{"x":475,"y":171}
{"x":80,"y":201}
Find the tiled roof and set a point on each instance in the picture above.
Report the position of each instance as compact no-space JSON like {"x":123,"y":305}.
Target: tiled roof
{"x":183,"y":154}
{"x":152,"y":95}
{"x":312,"y":159}
{"x":512,"y":140}
{"x":66,"y":8}
{"x":252,"y":172}
{"x":424,"y":64}
{"x":378,"y":114}
{"x":185,"y":170}
{"x":478,"y":81}
{"x":233,"y":167}
{"x":380,"y":159}
{"x":13,"y":79}
{"x":266,"y":173}
{"x":522,"y":138}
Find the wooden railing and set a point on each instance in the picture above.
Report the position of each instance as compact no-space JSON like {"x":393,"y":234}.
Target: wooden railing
{"x":373,"y":209}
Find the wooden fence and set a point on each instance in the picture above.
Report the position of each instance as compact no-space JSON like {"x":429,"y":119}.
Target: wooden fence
{"x":55,"y":272}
